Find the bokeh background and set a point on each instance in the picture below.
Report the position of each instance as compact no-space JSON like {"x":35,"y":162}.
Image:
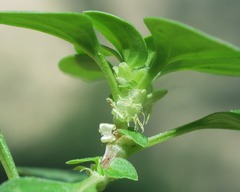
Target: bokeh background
{"x":49,"y":118}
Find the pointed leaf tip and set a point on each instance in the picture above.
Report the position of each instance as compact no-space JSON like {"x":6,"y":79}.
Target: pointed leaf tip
{"x":122,"y":35}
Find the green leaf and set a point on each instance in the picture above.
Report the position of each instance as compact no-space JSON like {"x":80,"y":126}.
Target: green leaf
{"x":81,"y":66}
{"x":93,"y":183}
{"x":235,"y":111}
{"x":151,"y":49}
{"x":122,"y":35}
{"x":180,"y":47}
{"x":73,"y":27}
{"x":29,"y":184}
{"x":121,"y":169}
{"x":156,"y":96}
{"x":83,"y":160}
{"x":106,"y":51}
{"x":220,"y":120}
{"x":93,"y":167}
{"x":137,"y":137}
{"x":52,"y":174}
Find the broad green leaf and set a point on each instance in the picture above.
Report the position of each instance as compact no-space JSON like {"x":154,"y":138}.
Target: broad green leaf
{"x":81,"y":66}
{"x":137,"y":137}
{"x":31,"y":184}
{"x":73,"y":27}
{"x":83,"y":160}
{"x":121,"y":169}
{"x":52,"y":174}
{"x":122,"y":35}
{"x":180,"y":47}
{"x":220,"y":120}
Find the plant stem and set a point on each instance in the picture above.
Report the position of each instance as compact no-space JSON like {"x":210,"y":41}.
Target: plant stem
{"x":94,"y":183}
{"x":219,"y":120}
{"x":159,"y":138}
{"x":193,"y":126}
{"x":107,"y":71}
{"x":7,"y":160}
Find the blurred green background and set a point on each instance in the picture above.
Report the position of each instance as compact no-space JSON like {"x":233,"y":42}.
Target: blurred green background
{"x":49,"y":118}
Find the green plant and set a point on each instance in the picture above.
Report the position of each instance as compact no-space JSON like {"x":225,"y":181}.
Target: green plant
{"x":170,"y":47}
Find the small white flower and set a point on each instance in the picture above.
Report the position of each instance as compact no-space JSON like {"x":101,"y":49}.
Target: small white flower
{"x":106,"y":130}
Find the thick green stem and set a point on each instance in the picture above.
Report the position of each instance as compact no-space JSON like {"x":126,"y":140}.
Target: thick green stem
{"x":94,"y":183}
{"x":112,"y":151}
{"x":7,"y":160}
{"x":107,"y":71}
